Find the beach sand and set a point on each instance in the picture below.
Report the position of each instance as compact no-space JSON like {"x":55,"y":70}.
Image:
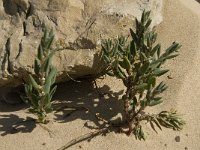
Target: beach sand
{"x":182,"y":24}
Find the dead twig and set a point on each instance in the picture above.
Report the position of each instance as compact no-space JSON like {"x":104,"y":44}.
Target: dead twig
{"x":83,"y":138}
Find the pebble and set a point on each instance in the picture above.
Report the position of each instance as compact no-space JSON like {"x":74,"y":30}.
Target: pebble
{"x":177,"y":139}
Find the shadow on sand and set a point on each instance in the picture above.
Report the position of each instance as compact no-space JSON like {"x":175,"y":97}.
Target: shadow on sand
{"x":75,"y":101}
{"x":83,"y":101}
{"x":11,"y":124}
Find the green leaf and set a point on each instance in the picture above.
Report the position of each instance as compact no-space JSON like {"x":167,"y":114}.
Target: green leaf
{"x":141,"y":133}
{"x":105,"y":50}
{"x":138,"y":27}
{"x":159,"y":72}
{"x":156,"y":49}
{"x":160,"y":88}
{"x":171,"y":56}
{"x":49,"y":109}
{"x":49,"y":42}
{"x":162,"y":84}
{"x":24,"y":99}
{"x":34,"y":100}
{"x":49,"y":78}
{"x":173,"y":48}
{"x":32,"y":110}
{"x":144,"y":68}
{"x":47,"y":101}
{"x":119,"y":69}
{"x":151,"y":81}
{"x":164,"y":123}
{"x":152,"y":126}
{"x":143,"y":56}
{"x":176,"y":125}
{"x":154,"y":37}
{"x":143,"y":18}
{"x":148,"y":23}
{"x":115,"y":49}
{"x":45,"y":33}
{"x":122,"y":64}
{"x":143,"y":103}
{"x":28,"y":88}
{"x":52,"y":92}
{"x":106,"y":59}
{"x":46,"y":66}
{"x":118,"y":74}
{"x":126,"y":63}
{"x":133,"y":48}
{"x":40,"y":52}
{"x":147,"y":14}
{"x":157,"y":98}
{"x":52,"y":53}
{"x":153,"y":103}
{"x":157,"y":123}
{"x":110,"y":73}
{"x":37,"y":66}
{"x":158,"y":52}
{"x":134,"y":36}
{"x":34,"y":83}
{"x":142,"y":86}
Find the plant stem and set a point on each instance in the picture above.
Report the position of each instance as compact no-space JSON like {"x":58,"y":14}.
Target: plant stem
{"x":126,"y":111}
{"x":138,"y":112}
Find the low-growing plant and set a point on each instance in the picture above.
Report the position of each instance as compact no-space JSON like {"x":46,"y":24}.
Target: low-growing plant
{"x":138,"y":63}
{"x":40,"y":89}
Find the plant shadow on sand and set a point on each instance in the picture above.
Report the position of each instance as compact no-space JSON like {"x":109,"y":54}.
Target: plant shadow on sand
{"x":73,"y":100}
{"x":11,"y":124}
{"x":83,"y":101}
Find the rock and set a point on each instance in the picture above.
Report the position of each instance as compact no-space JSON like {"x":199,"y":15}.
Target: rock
{"x":80,"y":24}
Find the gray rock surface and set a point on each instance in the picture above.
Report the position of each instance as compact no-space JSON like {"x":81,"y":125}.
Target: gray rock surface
{"x":81,"y":24}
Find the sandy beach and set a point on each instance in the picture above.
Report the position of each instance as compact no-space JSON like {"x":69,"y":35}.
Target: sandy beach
{"x":182,"y":24}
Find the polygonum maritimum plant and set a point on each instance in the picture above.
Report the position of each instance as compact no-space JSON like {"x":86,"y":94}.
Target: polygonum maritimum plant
{"x":138,"y":64}
{"x":39,"y":90}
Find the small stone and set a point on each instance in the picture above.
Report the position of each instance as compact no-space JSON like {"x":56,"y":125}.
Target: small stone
{"x":177,"y":139}
{"x":186,"y":148}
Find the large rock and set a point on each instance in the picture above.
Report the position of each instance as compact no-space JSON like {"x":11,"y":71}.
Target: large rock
{"x":80,"y":24}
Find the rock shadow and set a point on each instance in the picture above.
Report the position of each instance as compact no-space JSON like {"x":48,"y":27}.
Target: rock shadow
{"x":10,"y":100}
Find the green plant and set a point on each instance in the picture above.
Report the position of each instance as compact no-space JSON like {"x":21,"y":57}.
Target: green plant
{"x":138,"y":64}
{"x":39,"y":90}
